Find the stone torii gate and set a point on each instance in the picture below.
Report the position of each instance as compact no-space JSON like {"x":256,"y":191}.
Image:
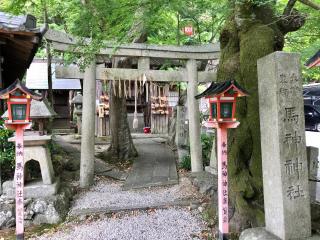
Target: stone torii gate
{"x":66,"y":43}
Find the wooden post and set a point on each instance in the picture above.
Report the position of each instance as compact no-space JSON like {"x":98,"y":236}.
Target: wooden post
{"x":88,"y":126}
{"x":19,"y":183}
{"x":194,"y":117}
{"x":222,"y":134}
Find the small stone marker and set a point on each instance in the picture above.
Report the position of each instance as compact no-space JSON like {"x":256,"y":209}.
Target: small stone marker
{"x":313,"y":163}
{"x":284,"y":162}
{"x":180,"y":127}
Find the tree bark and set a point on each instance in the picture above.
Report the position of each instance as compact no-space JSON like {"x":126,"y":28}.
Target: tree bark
{"x":49,"y":55}
{"x":251,"y":32}
{"x":122,"y":148}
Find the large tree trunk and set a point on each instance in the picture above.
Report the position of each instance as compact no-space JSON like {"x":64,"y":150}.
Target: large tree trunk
{"x":122,"y":147}
{"x":250,"y":33}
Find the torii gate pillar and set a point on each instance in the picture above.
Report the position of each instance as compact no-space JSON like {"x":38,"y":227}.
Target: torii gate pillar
{"x":194,"y":117}
{"x":88,"y":126}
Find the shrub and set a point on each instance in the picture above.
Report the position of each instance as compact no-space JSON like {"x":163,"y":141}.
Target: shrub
{"x":7,"y":153}
{"x":186,"y":162}
{"x":206,"y":144}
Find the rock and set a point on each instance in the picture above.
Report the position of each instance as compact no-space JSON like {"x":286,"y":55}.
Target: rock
{"x":194,"y":206}
{"x":257,"y":234}
{"x":11,"y":223}
{"x":205,"y":182}
{"x":73,"y":164}
{"x":101,"y":166}
{"x":50,"y":210}
{"x":50,"y":216}
{"x":6,"y":214}
{"x":28,"y":214}
{"x":262,"y":234}
{"x":39,"y":206}
{"x":26,"y":202}
{"x":200,"y":209}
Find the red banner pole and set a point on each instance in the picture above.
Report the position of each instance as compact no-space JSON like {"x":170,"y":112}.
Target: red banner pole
{"x":19,"y":183}
{"x":222,"y":134}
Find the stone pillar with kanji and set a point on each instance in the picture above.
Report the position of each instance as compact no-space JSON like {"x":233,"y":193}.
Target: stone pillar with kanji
{"x":283,"y":146}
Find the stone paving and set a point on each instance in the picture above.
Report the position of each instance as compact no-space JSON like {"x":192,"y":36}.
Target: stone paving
{"x":155,"y":166}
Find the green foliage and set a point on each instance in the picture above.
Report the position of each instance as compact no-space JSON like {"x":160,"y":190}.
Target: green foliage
{"x":306,"y":40}
{"x":6,"y":148}
{"x":186,"y":162}
{"x":119,"y":21}
{"x":7,"y":153}
{"x":162,"y":20}
{"x":206,"y":143}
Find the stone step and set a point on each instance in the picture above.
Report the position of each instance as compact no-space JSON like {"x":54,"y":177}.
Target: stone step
{"x":63,"y":131}
{"x":142,"y":207}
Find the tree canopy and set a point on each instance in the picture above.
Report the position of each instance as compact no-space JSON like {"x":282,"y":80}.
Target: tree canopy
{"x":162,"y":20}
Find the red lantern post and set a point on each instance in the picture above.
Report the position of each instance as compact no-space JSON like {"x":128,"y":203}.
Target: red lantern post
{"x":222,"y":100}
{"x":19,"y":104}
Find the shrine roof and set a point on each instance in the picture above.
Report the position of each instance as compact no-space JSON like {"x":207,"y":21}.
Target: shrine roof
{"x":19,"y":42}
{"x":18,"y":23}
{"x":221,"y":87}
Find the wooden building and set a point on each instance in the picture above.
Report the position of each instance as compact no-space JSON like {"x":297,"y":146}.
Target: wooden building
{"x":19,"y":42}
{"x":63,"y":91}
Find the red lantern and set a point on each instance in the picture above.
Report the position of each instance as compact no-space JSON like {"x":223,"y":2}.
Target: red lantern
{"x":19,"y":101}
{"x":188,"y":30}
{"x":222,"y":101}
{"x":147,"y":130}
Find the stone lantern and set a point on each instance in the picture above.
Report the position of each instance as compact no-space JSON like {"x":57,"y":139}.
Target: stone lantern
{"x":77,"y":101}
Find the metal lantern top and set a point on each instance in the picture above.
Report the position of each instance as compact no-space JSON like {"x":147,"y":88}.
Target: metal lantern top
{"x":222,"y":101}
{"x":18,"y":99}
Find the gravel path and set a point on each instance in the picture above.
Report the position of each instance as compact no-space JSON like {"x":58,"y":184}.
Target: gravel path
{"x":108,"y":194}
{"x":168,"y":224}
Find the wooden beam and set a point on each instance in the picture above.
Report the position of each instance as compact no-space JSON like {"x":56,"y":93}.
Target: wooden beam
{"x":67,"y":43}
{"x":126,"y":74}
